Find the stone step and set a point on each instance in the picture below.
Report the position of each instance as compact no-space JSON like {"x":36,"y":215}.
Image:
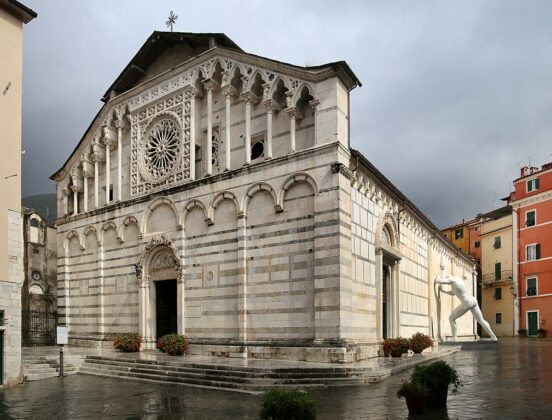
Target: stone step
{"x":163,"y":372}
{"x":161,"y":378}
{"x":53,"y":374}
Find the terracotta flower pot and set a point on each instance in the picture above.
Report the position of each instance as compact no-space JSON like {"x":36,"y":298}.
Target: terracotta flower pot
{"x":396,"y":354}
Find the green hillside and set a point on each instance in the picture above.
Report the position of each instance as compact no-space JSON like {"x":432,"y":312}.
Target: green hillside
{"x":44,"y":204}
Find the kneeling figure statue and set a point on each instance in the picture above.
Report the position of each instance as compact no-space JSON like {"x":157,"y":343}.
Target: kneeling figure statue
{"x":467,"y":303}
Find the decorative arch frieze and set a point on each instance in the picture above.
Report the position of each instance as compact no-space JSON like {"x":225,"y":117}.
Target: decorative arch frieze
{"x":152,"y":205}
{"x":290,"y":181}
{"x":128,"y":220}
{"x":107,"y":226}
{"x":88,"y":231}
{"x":190,"y":206}
{"x":70,"y":235}
{"x":221,"y":196}
{"x":255,"y":188}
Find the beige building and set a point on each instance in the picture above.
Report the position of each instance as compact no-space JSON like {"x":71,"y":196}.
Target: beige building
{"x":12,"y":17}
{"x":496,"y":269}
{"x":216,"y":195}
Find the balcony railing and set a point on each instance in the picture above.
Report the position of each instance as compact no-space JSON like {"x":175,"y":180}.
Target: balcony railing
{"x":506,"y":276}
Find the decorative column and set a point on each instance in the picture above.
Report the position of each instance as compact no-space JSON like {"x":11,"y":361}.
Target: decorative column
{"x":271,"y":107}
{"x":314,"y":104}
{"x":228,"y":91}
{"x":181,"y":303}
{"x":294,"y":114}
{"x":96,"y":181}
{"x":209,"y":143}
{"x":101,"y":290}
{"x":193,"y":95}
{"x":85,"y":198}
{"x":120,"y":125}
{"x":107,"y":143}
{"x":75,"y":200}
{"x":247,"y":130}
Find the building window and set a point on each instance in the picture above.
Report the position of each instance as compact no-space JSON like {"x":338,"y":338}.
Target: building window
{"x":458,"y":233}
{"x":1,"y":318}
{"x":533,"y":185}
{"x":477,"y":228}
{"x":530,"y":218}
{"x":531,"y":286}
{"x":532,"y":252}
{"x":111,"y":193}
{"x":477,"y":244}
{"x":498,"y":271}
{"x":497,"y":293}
{"x":498,"y":318}
{"x":497,"y":243}
{"x":257,"y":150}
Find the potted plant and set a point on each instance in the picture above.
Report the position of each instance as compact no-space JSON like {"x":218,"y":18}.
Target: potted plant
{"x":419,"y":342}
{"x":396,"y":346}
{"x":415,"y":395}
{"x":522,"y":332}
{"x":128,"y":343}
{"x":541,"y":332}
{"x":436,"y":377}
{"x":173,"y":344}
{"x":284,"y":404}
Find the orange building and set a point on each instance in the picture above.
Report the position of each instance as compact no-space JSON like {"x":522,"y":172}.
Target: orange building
{"x":532,"y":205}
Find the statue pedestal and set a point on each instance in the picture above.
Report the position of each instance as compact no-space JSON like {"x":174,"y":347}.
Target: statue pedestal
{"x":482,"y":344}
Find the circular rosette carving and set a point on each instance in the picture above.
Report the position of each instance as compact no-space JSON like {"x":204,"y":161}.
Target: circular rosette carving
{"x":161,"y":149}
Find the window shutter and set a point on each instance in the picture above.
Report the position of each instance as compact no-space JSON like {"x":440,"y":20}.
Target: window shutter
{"x":530,"y":218}
{"x":537,"y":183}
{"x":537,"y":252}
{"x":498,"y":271}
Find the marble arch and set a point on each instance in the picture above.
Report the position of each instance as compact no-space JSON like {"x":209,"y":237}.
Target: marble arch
{"x":190,"y":206}
{"x":255,"y":188}
{"x":288,"y":183}
{"x":221,"y":196}
{"x":152,"y":205}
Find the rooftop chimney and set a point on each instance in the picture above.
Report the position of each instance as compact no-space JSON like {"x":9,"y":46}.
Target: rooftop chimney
{"x":212,"y":42}
{"x":524,"y":171}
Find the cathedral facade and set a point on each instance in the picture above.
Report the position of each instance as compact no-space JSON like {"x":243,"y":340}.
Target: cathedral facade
{"x":216,"y":195}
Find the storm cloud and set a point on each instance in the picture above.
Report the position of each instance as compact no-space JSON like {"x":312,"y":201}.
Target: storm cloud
{"x":455,"y":97}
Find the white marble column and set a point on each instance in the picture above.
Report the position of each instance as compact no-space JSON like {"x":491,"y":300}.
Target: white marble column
{"x":228,"y":149}
{"x":120,"y":126}
{"x":247,"y":130}
{"x":181,"y":304}
{"x":192,"y":134}
{"x":75,"y":201}
{"x":314,"y":104}
{"x":242,"y":277}
{"x":85,"y":198}
{"x":209,"y":142}
{"x":96,"y":183}
{"x":107,"y":170}
{"x":292,"y":116}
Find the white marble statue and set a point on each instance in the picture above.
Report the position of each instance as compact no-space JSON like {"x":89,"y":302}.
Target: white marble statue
{"x":467,"y":303}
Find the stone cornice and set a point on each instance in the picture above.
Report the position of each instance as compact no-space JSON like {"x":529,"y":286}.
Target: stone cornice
{"x":532,"y":199}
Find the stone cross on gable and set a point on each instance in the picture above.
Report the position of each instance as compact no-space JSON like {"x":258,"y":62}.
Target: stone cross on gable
{"x":172,"y":20}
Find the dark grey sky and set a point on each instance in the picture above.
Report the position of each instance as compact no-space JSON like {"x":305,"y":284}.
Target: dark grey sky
{"x":456,"y":95}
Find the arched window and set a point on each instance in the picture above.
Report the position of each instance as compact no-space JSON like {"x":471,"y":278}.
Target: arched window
{"x":386,"y":237}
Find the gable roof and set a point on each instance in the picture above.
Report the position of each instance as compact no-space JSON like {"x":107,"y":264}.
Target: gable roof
{"x":157,"y":43}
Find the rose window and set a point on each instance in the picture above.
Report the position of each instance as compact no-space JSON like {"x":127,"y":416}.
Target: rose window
{"x":161,"y":148}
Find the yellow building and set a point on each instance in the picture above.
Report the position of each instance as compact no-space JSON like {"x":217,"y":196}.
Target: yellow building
{"x":12,"y":17}
{"x":496,"y":268}
{"x":459,"y":235}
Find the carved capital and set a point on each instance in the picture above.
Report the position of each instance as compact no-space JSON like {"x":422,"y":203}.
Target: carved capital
{"x":229,"y":91}
{"x":193,"y":92}
{"x":295,"y":113}
{"x":120,"y":124}
{"x":314,"y":103}
{"x":250,"y":97}
{"x":271,"y":105}
{"x":210,"y":85}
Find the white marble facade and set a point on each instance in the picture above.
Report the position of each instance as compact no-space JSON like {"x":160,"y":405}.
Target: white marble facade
{"x":232,"y":174}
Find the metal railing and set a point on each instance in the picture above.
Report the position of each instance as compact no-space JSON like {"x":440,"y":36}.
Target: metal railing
{"x":506,"y":276}
{"x":38,"y":328}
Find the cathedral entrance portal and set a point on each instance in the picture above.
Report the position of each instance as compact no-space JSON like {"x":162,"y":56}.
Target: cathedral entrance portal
{"x":165,"y":308}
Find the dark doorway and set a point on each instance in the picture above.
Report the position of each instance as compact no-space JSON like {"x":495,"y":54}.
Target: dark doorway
{"x":165,"y":304}
{"x":384,"y":297}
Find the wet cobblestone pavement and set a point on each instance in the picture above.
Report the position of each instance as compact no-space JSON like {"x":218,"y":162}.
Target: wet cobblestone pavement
{"x":513,"y":381}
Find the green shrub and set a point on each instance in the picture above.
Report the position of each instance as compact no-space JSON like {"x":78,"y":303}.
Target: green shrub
{"x":411,"y":389}
{"x":173,"y":344}
{"x":288,"y":404}
{"x":437,"y":377}
{"x":128,"y":343}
